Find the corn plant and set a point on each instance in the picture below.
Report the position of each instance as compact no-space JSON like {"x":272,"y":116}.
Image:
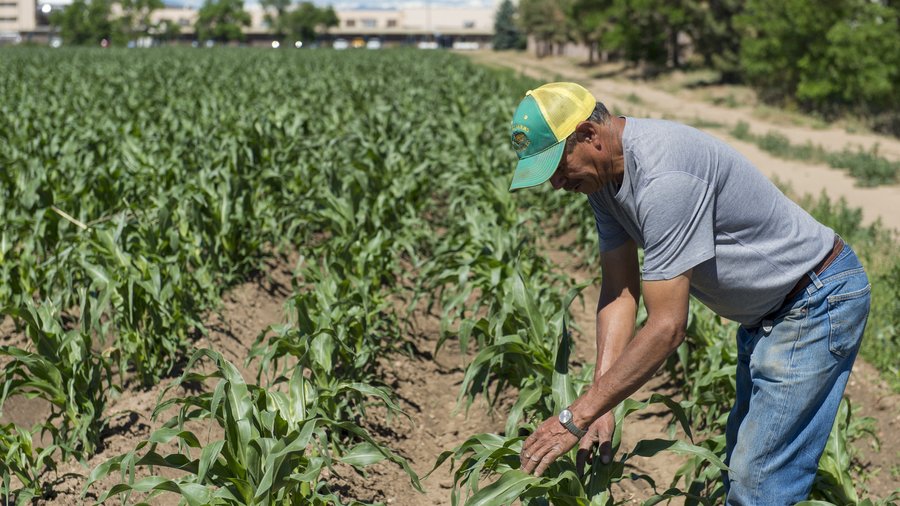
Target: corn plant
{"x":275,"y":445}
{"x":20,"y":459}
{"x":518,"y":350}
{"x":62,"y":370}
{"x":335,"y":338}
{"x":487,"y":454}
{"x":834,"y":482}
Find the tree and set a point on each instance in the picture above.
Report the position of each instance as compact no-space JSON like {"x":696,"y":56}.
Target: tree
{"x":676,"y":17}
{"x":646,"y":31}
{"x":831,"y":57}
{"x":87,"y":23}
{"x":637,"y":31}
{"x":780,"y":38}
{"x":716,"y":38}
{"x":548,"y":21}
{"x":591,"y":20}
{"x":328,"y":18}
{"x":222,"y":20}
{"x":166,"y":30}
{"x":860,"y":66}
{"x":306,"y":21}
{"x":777,"y":36}
{"x":276,"y":15}
{"x":506,"y":32}
{"x":135,"y":20}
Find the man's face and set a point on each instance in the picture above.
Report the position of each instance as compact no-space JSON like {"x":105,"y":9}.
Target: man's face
{"x":576,"y":171}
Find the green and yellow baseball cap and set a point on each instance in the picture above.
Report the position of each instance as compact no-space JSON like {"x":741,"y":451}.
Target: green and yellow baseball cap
{"x":543,"y":120}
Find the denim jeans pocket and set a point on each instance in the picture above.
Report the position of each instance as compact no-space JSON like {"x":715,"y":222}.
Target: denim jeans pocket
{"x":846,"y":318}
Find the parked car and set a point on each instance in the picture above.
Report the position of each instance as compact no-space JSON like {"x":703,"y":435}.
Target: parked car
{"x":340,"y":44}
{"x":373,"y":44}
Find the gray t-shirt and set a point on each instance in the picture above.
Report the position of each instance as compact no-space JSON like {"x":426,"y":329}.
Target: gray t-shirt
{"x":691,"y":201}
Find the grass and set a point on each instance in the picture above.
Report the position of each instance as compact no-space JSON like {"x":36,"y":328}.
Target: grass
{"x":701,"y":123}
{"x":728,"y":101}
{"x":634,"y":99}
{"x":867,"y":167}
{"x":783,"y":116}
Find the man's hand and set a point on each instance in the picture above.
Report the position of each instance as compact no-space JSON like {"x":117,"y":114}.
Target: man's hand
{"x":598,"y":434}
{"x":545,"y":445}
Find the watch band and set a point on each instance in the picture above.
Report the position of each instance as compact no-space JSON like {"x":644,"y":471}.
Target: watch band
{"x":565,"y":418}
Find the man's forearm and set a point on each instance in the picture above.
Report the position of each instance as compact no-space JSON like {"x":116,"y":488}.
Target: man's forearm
{"x":630,"y":370}
{"x":615,"y":328}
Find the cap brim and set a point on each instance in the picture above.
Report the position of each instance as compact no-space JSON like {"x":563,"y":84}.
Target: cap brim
{"x":537,"y":168}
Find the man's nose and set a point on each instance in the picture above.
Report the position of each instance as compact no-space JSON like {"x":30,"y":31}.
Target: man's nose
{"x":557,"y":180}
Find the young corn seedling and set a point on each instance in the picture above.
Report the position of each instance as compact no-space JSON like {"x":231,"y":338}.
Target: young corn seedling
{"x":275,"y":446}
{"x":490,"y":454}
{"x":21,"y":460}
{"x":63,"y":370}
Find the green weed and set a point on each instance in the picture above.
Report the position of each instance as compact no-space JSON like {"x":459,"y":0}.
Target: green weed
{"x":867,"y":167}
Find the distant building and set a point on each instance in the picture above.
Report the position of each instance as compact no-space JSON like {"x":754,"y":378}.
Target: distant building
{"x":461,"y":27}
{"x":23,"y":20}
{"x":184,"y":17}
{"x":445,"y":25}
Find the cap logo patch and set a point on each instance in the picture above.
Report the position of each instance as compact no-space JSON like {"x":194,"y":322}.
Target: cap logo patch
{"x":520,"y":141}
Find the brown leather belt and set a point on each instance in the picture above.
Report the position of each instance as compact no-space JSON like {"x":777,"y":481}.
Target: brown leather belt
{"x":805,"y":280}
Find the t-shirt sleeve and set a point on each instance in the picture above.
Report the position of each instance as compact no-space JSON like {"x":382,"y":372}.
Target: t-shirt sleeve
{"x":676,"y":215}
{"x":611,"y":233}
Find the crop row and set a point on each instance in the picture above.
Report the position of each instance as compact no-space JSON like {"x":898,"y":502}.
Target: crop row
{"x":135,"y":197}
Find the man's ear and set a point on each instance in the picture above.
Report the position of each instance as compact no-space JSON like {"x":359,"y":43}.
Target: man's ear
{"x":586,"y":130}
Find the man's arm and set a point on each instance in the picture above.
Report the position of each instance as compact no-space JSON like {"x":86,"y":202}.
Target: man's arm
{"x":616,"y":311}
{"x":617,"y":306}
{"x":667,"y":306}
{"x":667,"y":309}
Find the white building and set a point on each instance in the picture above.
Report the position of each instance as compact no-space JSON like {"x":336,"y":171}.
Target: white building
{"x":17,"y":17}
{"x":446,"y":26}
{"x":29,"y":19}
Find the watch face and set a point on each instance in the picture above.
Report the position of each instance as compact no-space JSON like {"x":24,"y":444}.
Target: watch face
{"x":565,"y":416}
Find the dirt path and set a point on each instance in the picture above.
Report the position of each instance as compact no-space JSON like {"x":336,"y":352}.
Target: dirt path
{"x":639,"y":99}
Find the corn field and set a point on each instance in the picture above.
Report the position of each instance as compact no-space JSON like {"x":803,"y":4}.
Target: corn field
{"x":137,"y":188}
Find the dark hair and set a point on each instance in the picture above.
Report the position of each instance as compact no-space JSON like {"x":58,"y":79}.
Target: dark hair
{"x":600,"y":114}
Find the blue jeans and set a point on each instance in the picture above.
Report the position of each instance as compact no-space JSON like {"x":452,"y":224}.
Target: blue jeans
{"x":791,"y":374}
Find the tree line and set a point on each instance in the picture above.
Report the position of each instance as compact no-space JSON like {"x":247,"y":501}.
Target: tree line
{"x":825,"y":56}
{"x":117,"y":22}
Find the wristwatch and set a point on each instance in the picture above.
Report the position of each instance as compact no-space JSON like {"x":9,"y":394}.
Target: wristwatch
{"x":565,"y":418}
